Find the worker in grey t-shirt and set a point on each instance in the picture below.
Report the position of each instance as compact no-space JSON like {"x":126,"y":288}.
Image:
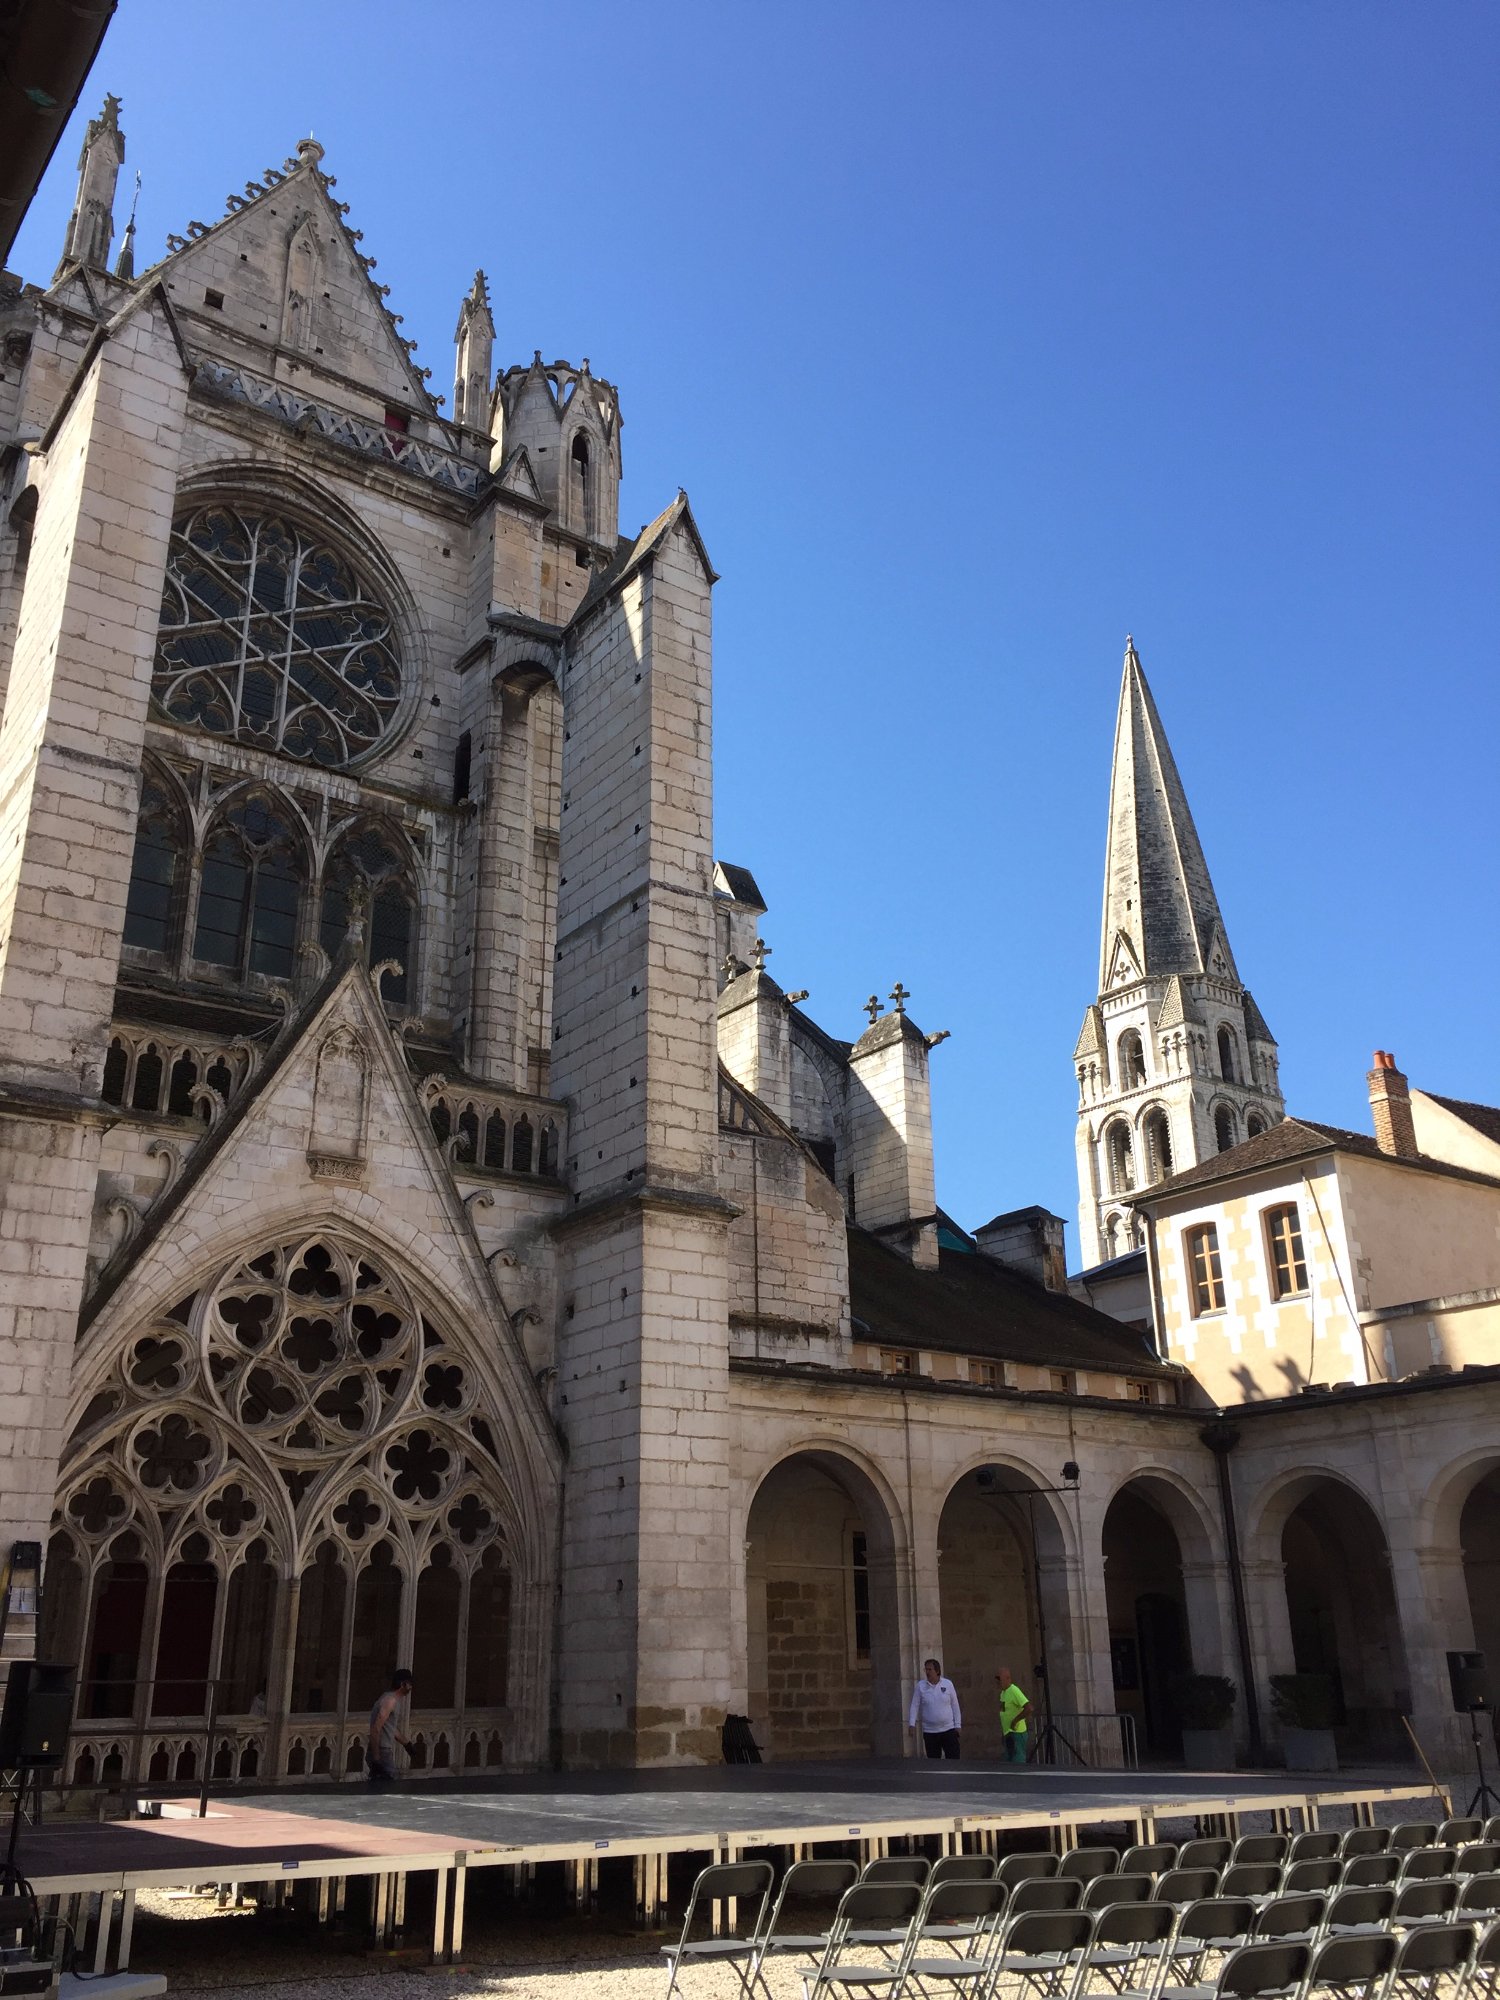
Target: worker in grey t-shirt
{"x":385,"y":1733}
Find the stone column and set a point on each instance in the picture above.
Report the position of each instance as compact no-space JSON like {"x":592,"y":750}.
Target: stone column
{"x":70,"y":756}
{"x":644,"y":1336}
{"x":498,"y":1037}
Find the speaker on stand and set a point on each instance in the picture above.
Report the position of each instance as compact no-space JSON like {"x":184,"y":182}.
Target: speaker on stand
{"x":33,"y":1734}
{"x":1470,"y":1682}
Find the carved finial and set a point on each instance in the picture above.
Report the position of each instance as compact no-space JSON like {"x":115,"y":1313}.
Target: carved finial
{"x":899,"y":998}
{"x":874,"y":1009}
{"x":732,"y":967}
{"x":309,"y":152}
{"x":760,"y":951}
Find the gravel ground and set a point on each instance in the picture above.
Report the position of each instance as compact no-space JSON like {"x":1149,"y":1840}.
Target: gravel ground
{"x":537,"y":1951}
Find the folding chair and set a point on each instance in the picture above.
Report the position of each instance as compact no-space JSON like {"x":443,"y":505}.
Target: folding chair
{"x":1259,"y":1971}
{"x":1040,"y":1892}
{"x":1492,"y":1828}
{"x":748,"y":1882}
{"x":1314,"y":1845}
{"x":1291,"y":1917}
{"x":1480,"y":1857}
{"x":898,"y":1868}
{"x":962,"y":1868}
{"x":1459,"y":1832}
{"x":1154,"y":1858}
{"x":1480,"y":1896}
{"x":1364,"y":1840}
{"x":1260,"y":1847}
{"x":1106,"y":1890}
{"x":965,"y":1916}
{"x":1310,"y":1878}
{"x":1413,"y":1833}
{"x":879,"y":1904}
{"x":1357,"y":1968}
{"x":1182,"y":1886}
{"x":1129,"y":1948}
{"x":1014,"y":1868}
{"x":1204,"y":1853}
{"x":804,"y":1882}
{"x":1214,"y":1928}
{"x":1371,"y":1871}
{"x":1084,"y":1863}
{"x":1256,"y":1879}
{"x":1426,"y":1957}
{"x":1428,"y":1864}
{"x":1041,"y":1953}
{"x":1425,"y":1903}
{"x":1483,"y":1982}
{"x":1359,"y":1910}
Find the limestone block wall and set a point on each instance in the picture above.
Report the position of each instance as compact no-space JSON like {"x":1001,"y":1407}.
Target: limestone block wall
{"x":788,"y":1254}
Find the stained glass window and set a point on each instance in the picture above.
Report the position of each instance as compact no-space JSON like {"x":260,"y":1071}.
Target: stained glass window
{"x":369,"y":867}
{"x":268,"y":634}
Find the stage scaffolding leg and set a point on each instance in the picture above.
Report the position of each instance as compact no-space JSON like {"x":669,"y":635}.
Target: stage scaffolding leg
{"x":440,"y":1916}
{"x":127,"y":1931}
{"x":102,"y":1931}
{"x":325,"y":1893}
{"x":381,"y":1902}
{"x":456,"y":1927}
{"x":650,"y":1889}
{"x":398,"y":1910}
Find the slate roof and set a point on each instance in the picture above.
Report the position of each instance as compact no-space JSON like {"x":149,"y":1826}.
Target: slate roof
{"x":1296,"y":1139}
{"x":740,"y":884}
{"x":972,"y":1305}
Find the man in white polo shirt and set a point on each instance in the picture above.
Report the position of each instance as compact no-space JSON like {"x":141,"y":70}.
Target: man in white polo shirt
{"x":934,"y":1708}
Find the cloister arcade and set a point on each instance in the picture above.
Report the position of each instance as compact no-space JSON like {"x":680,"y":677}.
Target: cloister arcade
{"x":854,"y":1574}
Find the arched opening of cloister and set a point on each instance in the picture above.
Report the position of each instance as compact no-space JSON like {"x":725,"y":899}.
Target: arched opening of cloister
{"x":1479,"y":1538}
{"x":1149,"y":1644}
{"x":1341,"y":1608}
{"x":821,"y":1613}
{"x":987,"y":1580}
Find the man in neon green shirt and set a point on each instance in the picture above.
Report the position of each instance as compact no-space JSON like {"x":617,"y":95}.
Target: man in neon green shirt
{"x":1014,"y":1709}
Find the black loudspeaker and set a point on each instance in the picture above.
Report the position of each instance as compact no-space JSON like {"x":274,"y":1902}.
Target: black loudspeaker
{"x":38,"y":1709}
{"x":1469,"y":1681}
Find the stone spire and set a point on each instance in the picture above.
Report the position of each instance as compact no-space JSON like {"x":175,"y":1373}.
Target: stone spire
{"x":92,"y":224}
{"x":1160,"y":911}
{"x":125,"y":262}
{"x":474,"y":343}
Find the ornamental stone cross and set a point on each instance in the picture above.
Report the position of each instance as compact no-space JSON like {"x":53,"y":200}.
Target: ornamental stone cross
{"x":760,"y":951}
{"x":872,"y":1008}
{"x":899,"y":997}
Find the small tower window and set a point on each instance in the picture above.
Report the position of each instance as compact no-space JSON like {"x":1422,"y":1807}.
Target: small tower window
{"x":578,"y":461}
{"x":1254,"y":1125}
{"x":1132,"y":1061}
{"x":1120,"y":1156}
{"x":1225,"y":1135}
{"x":1205,"y":1271}
{"x":1156,"y":1134}
{"x":1228,"y":1068}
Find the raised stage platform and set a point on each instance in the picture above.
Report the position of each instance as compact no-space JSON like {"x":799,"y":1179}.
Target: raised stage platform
{"x":448,"y":1829}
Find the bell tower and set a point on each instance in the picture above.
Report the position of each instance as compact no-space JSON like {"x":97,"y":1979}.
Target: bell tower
{"x":1175,"y":1061}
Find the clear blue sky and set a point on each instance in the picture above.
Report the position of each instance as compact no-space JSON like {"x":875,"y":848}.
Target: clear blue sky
{"x":981,"y":335}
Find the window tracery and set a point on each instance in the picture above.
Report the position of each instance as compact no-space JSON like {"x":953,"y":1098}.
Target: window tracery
{"x":270,"y":636}
{"x":297,"y":1417}
{"x":250,"y":896}
{"x":153,"y":903}
{"x":368,"y":871}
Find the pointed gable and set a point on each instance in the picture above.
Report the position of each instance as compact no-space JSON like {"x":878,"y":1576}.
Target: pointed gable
{"x":1177,"y":1009}
{"x":517,"y":477}
{"x":1090,"y":1036}
{"x":284,"y":270}
{"x":1157,"y":890}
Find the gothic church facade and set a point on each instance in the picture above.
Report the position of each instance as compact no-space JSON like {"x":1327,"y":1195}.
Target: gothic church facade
{"x":428,"y":1232}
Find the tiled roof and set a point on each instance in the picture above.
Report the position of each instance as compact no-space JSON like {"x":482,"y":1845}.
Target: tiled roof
{"x":972,"y":1305}
{"x":1296,"y":1139}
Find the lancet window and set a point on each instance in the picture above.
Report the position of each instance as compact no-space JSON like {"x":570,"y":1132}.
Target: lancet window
{"x":270,"y":635}
{"x":1225,"y":1134}
{"x":1132,"y":1061}
{"x":283,"y":1487}
{"x":1156,"y":1138}
{"x":1120,"y":1157}
{"x":242,"y":905}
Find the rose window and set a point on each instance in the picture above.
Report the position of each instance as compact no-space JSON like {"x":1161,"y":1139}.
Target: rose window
{"x":269,"y":635}
{"x":312,"y":1350}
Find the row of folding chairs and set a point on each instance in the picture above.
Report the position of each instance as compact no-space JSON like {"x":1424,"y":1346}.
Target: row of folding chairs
{"x":1252,"y":1866}
{"x":962,"y":1901}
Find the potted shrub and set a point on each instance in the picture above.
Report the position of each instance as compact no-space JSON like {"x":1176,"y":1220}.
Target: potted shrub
{"x":1205,"y":1708}
{"x":1303,"y":1704}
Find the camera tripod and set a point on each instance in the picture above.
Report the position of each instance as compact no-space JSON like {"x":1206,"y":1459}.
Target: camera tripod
{"x":1485,"y":1800}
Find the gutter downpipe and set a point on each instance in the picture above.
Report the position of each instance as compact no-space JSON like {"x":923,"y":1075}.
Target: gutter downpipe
{"x":1221,"y":1438}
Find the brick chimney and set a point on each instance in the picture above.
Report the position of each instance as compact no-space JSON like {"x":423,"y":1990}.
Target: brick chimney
{"x":1390,"y":1104}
